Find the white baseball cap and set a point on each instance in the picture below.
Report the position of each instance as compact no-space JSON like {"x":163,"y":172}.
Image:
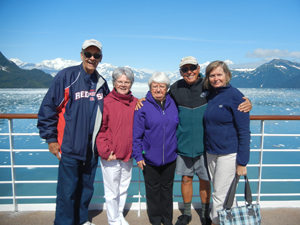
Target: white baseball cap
{"x":188,"y":60}
{"x":92,"y":42}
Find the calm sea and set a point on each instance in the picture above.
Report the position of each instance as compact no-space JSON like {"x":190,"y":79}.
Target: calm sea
{"x":265,"y":102}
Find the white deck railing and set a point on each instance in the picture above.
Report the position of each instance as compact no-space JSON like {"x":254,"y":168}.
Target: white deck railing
{"x":14,"y":197}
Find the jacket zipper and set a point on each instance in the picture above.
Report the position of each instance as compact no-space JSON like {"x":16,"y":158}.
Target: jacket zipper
{"x":164,"y":137}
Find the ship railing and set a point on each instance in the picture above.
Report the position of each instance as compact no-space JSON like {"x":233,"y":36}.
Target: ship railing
{"x":139,"y":205}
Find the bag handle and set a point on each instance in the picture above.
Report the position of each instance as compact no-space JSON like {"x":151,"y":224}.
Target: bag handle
{"x":231,"y":192}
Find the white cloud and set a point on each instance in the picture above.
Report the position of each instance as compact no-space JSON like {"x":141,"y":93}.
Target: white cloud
{"x":228,"y":62}
{"x":272,"y":53}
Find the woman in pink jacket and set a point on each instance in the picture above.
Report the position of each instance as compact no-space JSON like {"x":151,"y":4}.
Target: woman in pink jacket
{"x":114,"y":144}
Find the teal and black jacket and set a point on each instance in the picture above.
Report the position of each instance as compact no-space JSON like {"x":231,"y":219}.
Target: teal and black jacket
{"x":191,"y":102}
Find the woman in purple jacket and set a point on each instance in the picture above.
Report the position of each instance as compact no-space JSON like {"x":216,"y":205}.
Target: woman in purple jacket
{"x":227,"y":133}
{"x":154,"y":148}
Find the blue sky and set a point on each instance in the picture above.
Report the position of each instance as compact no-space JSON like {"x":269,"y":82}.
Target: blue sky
{"x":152,"y":34}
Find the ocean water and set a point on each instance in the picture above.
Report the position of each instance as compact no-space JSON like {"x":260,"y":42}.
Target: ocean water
{"x":265,"y":102}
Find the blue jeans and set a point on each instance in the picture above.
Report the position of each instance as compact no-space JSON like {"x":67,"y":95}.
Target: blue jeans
{"x":75,"y":188}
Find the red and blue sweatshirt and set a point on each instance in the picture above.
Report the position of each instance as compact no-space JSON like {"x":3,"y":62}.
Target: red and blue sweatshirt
{"x":65,"y":116}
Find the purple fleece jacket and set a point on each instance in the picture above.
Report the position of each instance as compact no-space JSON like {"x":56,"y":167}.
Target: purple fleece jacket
{"x":154,"y":132}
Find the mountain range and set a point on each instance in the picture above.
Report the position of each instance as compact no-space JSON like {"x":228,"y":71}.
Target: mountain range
{"x":105,"y":69}
{"x":277,"y":73}
{"x":11,"y":76}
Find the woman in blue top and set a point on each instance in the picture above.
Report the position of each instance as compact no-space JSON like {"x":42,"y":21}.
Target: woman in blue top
{"x":227,"y":133}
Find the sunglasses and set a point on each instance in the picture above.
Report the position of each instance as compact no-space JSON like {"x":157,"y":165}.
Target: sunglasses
{"x":191,"y":68}
{"x":89,"y":55}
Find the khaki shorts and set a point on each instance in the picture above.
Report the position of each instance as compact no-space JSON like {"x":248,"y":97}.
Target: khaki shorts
{"x":186,"y":166}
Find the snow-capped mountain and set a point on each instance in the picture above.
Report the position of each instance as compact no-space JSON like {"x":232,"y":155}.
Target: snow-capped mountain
{"x":48,"y":66}
{"x":105,"y":69}
{"x":277,"y":73}
{"x":12,"y":76}
{"x":18,"y":62}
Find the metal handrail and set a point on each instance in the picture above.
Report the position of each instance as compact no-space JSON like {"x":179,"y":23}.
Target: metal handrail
{"x":261,"y":149}
{"x":252,"y":117}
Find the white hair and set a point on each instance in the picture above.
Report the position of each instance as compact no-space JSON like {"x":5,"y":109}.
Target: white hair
{"x":159,"y":77}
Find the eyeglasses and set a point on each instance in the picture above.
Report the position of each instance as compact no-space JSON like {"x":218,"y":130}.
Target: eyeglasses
{"x":127,"y":83}
{"x":191,"y":68}
{"x":89,"y":55}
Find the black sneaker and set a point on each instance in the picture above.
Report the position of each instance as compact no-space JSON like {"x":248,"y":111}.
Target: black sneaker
{"x":183,"y":220}
{"x":206,"y":221}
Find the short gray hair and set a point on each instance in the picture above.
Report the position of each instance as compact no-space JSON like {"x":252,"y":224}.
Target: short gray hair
{"x":159,"y":77}
{"x":122,"y":71}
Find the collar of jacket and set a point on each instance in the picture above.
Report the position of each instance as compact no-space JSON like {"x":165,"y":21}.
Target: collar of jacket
{"x":126,"y":99}
{"x":100,"y":80}
{"x":221,"y":89}
{"x":150,"y":98}
{"x":87,"y":76}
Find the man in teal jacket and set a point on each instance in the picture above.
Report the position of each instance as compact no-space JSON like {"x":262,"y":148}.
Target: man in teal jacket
{"x":190,"y":98}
